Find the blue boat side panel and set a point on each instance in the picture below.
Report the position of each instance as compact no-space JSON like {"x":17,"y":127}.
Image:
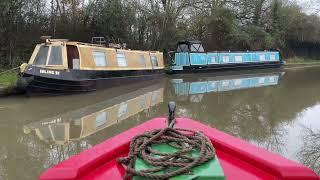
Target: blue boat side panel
{"x":269,"y":56}
{"x":224,"y":85}
{"x":255,"y":81}
{"x":198,"y":59}
{"x":274,"y":56}
{"x":224,"y":58}
{"x":263,"y":56}
{"x":255,"y":57}
{"x":203,"y":59}
{"x":238,"y":57}
{"x":212,"y":86}
{"x":232,"y":58}
{"x":271,"y":80}
{"x":246,"y":57}
{"x":181,"y":89}
{"x":176,"y":59}
{"x":198,"y":88}
{"x":213,"y":58}
{"x":181,"y":59}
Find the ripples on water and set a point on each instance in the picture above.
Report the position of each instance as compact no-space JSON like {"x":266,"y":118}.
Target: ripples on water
{"x":277,"y":110}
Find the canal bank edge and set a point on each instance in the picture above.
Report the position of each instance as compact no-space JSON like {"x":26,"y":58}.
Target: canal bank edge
{"x":8,"y":81}
{"x":8,"y":90}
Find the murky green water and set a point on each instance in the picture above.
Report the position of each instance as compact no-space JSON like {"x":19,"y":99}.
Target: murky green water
{"x":277,"y":110}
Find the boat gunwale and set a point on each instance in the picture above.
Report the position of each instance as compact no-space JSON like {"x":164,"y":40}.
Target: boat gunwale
{"x":262,"y":160}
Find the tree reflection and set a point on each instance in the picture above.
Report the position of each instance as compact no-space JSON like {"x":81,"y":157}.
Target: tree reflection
{"x":310,"y":152}
{"x":3,"y":156}
{"x":28,"y":152}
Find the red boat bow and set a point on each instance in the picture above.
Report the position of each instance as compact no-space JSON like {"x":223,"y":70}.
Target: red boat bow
{"x":239,"y":159}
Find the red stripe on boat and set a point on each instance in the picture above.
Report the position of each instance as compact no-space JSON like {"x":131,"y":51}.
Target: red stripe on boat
{"x":239,"y":159}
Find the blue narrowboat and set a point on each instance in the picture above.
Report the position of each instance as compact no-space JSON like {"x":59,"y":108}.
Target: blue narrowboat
{"x":190,"y":56}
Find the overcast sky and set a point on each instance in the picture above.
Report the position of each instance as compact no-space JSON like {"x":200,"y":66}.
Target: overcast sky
{"x":309,"y":6}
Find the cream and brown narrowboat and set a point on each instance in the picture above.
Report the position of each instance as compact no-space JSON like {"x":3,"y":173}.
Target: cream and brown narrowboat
{"x":63,"y":66}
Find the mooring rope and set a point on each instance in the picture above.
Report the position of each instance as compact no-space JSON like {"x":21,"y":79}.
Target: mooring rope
{"x":171,"y":164}
{"x":6,"y":71}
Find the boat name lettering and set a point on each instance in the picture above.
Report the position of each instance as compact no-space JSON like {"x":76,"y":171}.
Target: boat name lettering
{"x":44,"y":71}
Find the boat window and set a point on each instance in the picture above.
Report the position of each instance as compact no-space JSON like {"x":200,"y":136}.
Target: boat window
{"x":122,"y":62}
{"x":196,"y":48}
{"x":225,"y":58}
{"x":42,"y":55}
{"x":262,"y":57}
{"x":142,"y":61}
{"x":201,"y":49}
{"x":238,"y":58}
{"x":99,"y":58}
{"x":55,"y":55}
{"x":182,"y":48}
{"x":154,"y":61}
{"x":272,"y":57}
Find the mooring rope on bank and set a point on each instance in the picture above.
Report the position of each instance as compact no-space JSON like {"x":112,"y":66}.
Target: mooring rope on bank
{"x":6,"y":71}
{"x":185,"y":141}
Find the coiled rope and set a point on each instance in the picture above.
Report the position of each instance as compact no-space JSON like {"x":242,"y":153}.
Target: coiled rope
{"x":171,"y":164}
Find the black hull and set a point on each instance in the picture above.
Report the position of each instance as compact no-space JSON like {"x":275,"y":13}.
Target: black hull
{"x":69,"y":82}
{"x":225,"y":67}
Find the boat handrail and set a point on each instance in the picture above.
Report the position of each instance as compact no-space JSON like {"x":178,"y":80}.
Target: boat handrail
{"x":57,"y":40}
{"x":89,"y":44}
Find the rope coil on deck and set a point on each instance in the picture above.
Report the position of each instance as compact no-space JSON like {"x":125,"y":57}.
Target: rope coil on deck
{"x":172,"y":164}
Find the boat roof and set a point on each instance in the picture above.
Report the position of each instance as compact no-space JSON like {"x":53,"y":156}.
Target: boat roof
{"x":190,"y":42}
{"x":77,"y":43}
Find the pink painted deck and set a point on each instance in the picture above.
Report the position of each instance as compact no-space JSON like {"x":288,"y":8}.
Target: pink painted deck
{"x":238,"y":158}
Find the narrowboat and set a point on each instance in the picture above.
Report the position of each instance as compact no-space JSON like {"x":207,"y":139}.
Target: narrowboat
{"x":60,"y":65}
{"x":190,"y":56}
{"x":222,"y":156}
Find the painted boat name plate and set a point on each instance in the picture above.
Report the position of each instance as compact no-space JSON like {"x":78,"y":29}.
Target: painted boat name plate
{"x":45,"y":71}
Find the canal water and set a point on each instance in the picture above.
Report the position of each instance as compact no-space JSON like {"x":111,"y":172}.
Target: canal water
{"x":278,"y":110}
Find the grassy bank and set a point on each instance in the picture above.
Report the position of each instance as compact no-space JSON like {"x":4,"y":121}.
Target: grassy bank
{"x":8,"y":79}
{"x":301,"y":61}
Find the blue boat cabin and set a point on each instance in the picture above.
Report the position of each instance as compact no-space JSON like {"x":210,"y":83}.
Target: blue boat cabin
{"x":191,"y":55}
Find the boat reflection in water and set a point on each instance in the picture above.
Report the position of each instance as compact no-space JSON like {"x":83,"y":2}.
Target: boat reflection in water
{"x":195,"y":86}
{"x":83,"y":122}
